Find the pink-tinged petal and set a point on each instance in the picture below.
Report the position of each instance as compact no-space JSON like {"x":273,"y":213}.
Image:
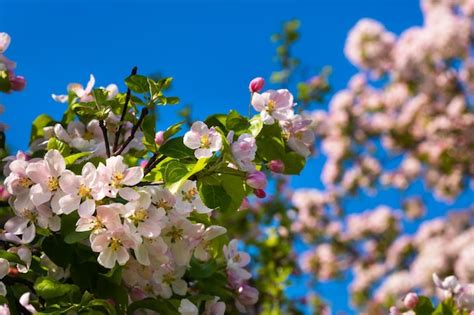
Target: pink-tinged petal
{"x":181,"y":252}
{"x":89,"y":173}
{"x":107,"y":258}
{"x":267,"y":118}
{"x":85,"y":224}
{"x":38,"y":172}
{"x":16,"y":225}
{"x":76,"y":88}
{"x":25,"y":302}
{"x":4,"y":266}
{"x":55,"y":207}
{"x":259,"y":101}
{"x":59,"y":98}
{"x":214,"y":231}
{"x":69,"y":182}
{"x":180,"y":286}
{"x":202,"y":153}
{"x":149,"y":229}
{"x":129,"y":194}
{"x":76,"y":128}
{"x":141,"y":253}
{"x":69,"y":203}
{"x":122,"y":256}
{"x":115,"y":164}
{"x":29,"y":234}
{"x":87,"y":208}
{"x":18,"y":167}
{"x":110,"y":215}
{"x":192,"y":140}
{"x":100,"y":242}
{"x":133,"y":176}
{"x":61,"y":133}
{"x":5,"y":40}
{"x":56,"y":162}
{"x":54,"y":223}
{"x":113,"y":90}
{"x":200,"y":127}
{"x":90,"y":85}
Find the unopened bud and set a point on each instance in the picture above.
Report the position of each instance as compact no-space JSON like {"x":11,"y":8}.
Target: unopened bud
{"x":256,"y":84}
{"x":276,"y":166}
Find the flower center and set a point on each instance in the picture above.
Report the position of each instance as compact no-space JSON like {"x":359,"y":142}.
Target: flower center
{"x":25,"y":182}
{"x":271,"y":106}
{"x":117,"y":178}
{"x":139,"y":216}
{"x":115,"y":244}
{"x":30,"y":215}
{"x":53,"y":184}
{"x":88,"y":135}
{"x":205,"y":141}
{"x":175,"y":234}
{"x":168,"y":278}
{"x":190,"y":195}
{"x":162,"y":203}
{"x":97,"y":225}
{"x":84,"y":192}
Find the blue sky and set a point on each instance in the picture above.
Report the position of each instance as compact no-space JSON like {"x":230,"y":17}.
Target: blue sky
{"x":211,"y":48}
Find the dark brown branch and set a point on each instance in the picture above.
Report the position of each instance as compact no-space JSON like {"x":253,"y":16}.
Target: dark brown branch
{"x":124,"y":112}
{"x":134,"y":130}
{"x":106,"y":137}
{"x":152,"y":165}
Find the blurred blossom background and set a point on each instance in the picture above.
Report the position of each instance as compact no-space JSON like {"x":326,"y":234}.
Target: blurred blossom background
{"x":213,"y":49}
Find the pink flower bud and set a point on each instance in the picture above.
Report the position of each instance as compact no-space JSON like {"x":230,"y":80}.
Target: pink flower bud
{"x":143,"y":163}
{"x":17,"y":83}
{"x":471,"y":313}
{"x":276,"y":166}
{"x":394,"y":311}
{"x":260,"y":193}
{"x":410,"y":300}
{"x":256,"y":84}
{"x":257,"y":180}
{"x":159,"y":138}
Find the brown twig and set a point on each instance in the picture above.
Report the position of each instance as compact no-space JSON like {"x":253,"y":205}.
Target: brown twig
{"x":124,"y":112}
{"x":106,"y":137}
{"x":134,"y":130}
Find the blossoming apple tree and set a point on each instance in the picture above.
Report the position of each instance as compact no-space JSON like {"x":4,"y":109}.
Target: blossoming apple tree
{"x":107,"y":214}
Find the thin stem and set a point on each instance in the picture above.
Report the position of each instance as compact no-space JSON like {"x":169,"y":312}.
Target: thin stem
{"x":134,"y":130}
{"x":106,"y":137}
{"x":152,"y":165}
{"x":142,"y":184}
{"x":124,"y":112}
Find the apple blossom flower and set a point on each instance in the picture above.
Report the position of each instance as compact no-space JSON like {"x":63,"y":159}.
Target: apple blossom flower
{"x":4,"y":267}
{"x":4,"y":309}
{"x":246,"y":296}
{"x":411,"y":300}
{"x":236,"y":261}
{"x":169,"y":279}
{"x":214,"y":307}
{"x":4,"y":42}
{"x":257,"y":180}
{"x":45,"y":175}
{"x":178,"y":235}
{"x":203,"y":140}
{"x":152,"y":251}
{"x":186,"y":307}
{"x":25,"y":302}
{"x":25,"y":255}
{"x":115,"y":174}
{"x":273,"y":105}
{"x":243,"y":151}
{"x":113,"y":245}
{"x":300,"y":137}
{"x":81,"y":192}
{"x":159,"y":138}
{"x":143,"y":217}
{"x":276,"y":166}
{"x":188,"y":199}
{"x":107,"y":217}
{"x":206,"y":235}
{"x":79,"y":136}
{"x":256,"y":85}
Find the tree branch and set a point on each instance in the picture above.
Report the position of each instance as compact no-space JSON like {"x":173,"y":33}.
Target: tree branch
{"x":124,"y":112}
{"x":106,"y":137}
{"x":134,"y":130}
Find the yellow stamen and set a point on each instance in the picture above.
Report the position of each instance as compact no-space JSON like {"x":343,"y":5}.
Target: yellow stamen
{"x":84,"y":192}
{"x":117,"y":178}
{"x":175,"y":234}
{"x":25,"y":182}
{"x":53,"y":184}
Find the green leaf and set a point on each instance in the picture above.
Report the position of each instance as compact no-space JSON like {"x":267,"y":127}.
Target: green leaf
{"x":172,"y":130}
{"x":175,"y":148}
{"x":39,"y":123}
{"x":173,"y":171}
{"x":149,"y":130}
{"x":235,"y":187}
{"x":217,"y":120}
{"x":294,"y":163}
{"x":137,"y":83}
{"x":74,"y":157}
{"x":56,"y":144}
{"x":256,"y":125}
{"x":48,"y":288}
{"x":202,"y":270}
{"x":424,"y":306}
{"x":102,"y":304}
{"x":214,"y":196}
{"x":158,"y":305}
{"x":58,"y":251}
{"x":237,"y":123}
{"x":172,"y":100}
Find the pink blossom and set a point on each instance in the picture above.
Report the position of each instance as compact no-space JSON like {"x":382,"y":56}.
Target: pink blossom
{"x":273,"y":105}
{"x":115,"y":175}
{"x":203,"y":140}
{"x":4,"y":42}
{"x":256,"y":84}
{"x":257,"y":180}
{"x":276,"y":166}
